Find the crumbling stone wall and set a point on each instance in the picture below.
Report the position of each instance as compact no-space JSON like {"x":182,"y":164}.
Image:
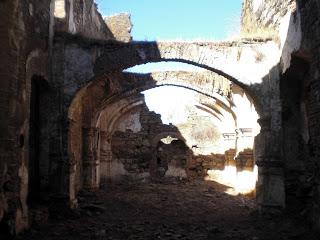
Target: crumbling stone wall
{"x":280,"y":21}
{"x":24,"y":30}
{"x":200,"y":164}
{"x":28,"y":30}
{"x":308,"y":54}
{"x":297,"y":27}
{"x":134,"y":149}
{"x":77,"y":25}
{"x":137,"y":150}
{"x":263,"y":17}
{"x":106,"y":97}
{"x":244,"y":160}
{"x":73,"y":38}
{"x":173,"y":159}
{"x":120,"y":25}
{"x":80,"y":17}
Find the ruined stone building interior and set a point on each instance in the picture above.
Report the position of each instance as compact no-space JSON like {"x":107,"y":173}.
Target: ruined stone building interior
{"x":86,"y":153}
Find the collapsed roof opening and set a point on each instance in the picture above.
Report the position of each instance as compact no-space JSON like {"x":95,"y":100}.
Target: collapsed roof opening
{"x":163,"y":66}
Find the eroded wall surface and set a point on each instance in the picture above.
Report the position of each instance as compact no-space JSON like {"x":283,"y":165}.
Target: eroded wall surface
{"x":309,"y":52}
{"x":297,"y":27}
{"x":80,"y":17}
{"x":120,"y":25}
{"x":28,"y":34}
{"x":67,"y":46}
{"x":24,"y":38}
{"x":134,"y":148}
{"x":142,"y":146}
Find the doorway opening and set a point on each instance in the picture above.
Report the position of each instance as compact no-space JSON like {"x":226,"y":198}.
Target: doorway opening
{"x":36,"y":144}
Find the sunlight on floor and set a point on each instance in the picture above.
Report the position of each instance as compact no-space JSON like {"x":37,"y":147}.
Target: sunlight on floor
{"x":243,"y":182}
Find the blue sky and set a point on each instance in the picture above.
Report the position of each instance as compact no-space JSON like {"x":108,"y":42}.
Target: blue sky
{"x":178,"y":19}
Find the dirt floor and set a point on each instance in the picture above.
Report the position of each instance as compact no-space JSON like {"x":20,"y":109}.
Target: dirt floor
{"x":167,"y":210}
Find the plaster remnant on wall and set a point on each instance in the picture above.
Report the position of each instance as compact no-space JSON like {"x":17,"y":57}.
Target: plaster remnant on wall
{"x":95,"y":16}
{"x":20,"y":221}
{"x":23,"y":174}
{"x":117,"y":170}
{"x":72,"y":25}
{"x":30,"y":9}
{"x":131,"y":122}
{"x":176,"y":172}
{"x":59,"y":9}
{"x":256,"y":4}
{"x":290,"y":37}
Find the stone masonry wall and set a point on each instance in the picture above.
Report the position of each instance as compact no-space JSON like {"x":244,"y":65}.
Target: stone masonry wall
{"x":299,"y":37}
{"x":81,"y":17}
{"x":24,"y":34}
{"x":27,"y":30}
{"x":263,"y":16}
{"x":72,"y":68}
{"x":309,"y":52}
{"x":277,"y":21}
{"x":120,"y":25}
{"x":134,"y":149}
{"x":138,"y":151}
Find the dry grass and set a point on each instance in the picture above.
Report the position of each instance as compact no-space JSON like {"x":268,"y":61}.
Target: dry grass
{"x":260,"y":33}
{"x":252,"y":29}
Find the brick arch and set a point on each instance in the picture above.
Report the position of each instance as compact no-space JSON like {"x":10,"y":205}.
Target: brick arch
{"x":111,"y":85}
{"x":200,"y":54}
{"x":222,"y":100}
{"x":117,"y":108}
{"x":112,"y":88}
{"x":222,"y":58}
{"x":117,"y":111}
{"x":132,"y":100}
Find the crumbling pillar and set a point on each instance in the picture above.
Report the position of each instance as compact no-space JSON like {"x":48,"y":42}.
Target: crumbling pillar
{"x":91,"y":164}
{"x":230,"y":157}
{"x":105,"y":155}
{"x":244,"y":160}
{"x":267,"y":153}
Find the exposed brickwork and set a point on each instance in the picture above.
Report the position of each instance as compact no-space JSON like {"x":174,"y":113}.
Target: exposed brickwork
{"x":24,"y":27}
{"x":64,"y":134}
{"x":244,"y":160}
{"x":310,"y":24}
{"x":136,"y":150}
{"x":142,"y":152}
{"x":26,"y":37}
{"x":120,"y":25}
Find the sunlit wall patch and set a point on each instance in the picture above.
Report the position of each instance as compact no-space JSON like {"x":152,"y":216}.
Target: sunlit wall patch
{"x":59,"y":9}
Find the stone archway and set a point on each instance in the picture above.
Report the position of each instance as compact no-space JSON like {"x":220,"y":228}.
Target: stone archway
{"x":109,"y":88}
{"x":170,"y":156}
{"x":38,"y":166}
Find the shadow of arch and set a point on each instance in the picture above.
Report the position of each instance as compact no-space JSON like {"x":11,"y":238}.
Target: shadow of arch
{"x":113,"y":112}
{"x":221,"y":100}
{"x":138,"y":53}
{"x":110,"y":89}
